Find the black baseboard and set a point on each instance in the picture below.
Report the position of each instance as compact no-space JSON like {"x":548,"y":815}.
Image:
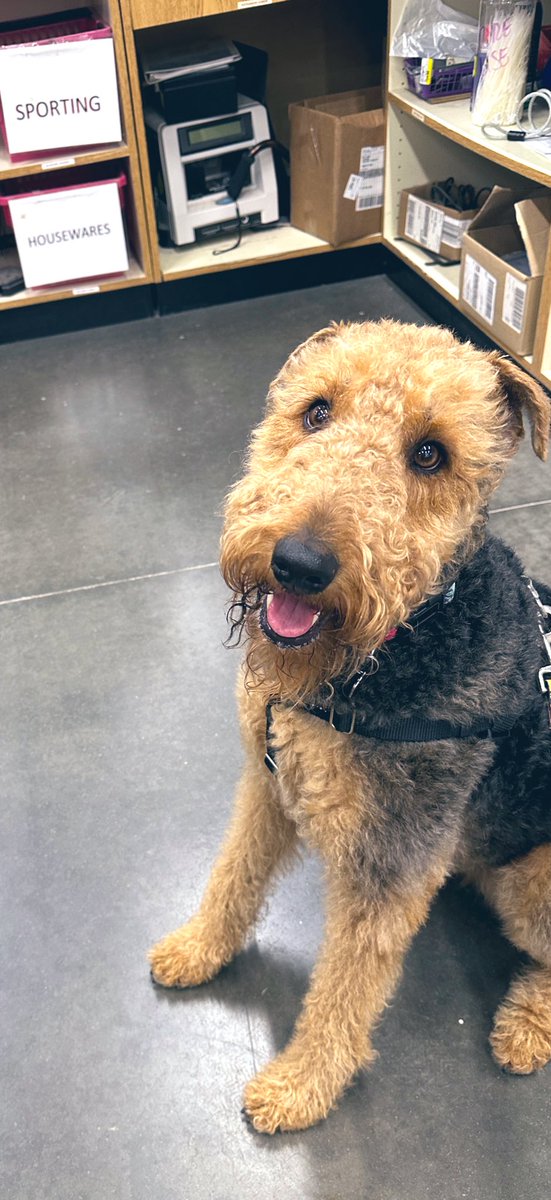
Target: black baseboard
{"x":222,"y":287}
{"x":82,"y":312}
{"x":287,"y":275}
{"x":225,"y":287}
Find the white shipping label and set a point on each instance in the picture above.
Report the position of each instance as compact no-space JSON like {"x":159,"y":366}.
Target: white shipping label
{"x":424,"y":223}
{"x":479,"y":289}
{"x":64,"y":94}
{"x":372,"y":158}
{"x":454,"y":230}
{"x":514,"y":302}
{"x":352,"y":188}
{"x":74,"y":234}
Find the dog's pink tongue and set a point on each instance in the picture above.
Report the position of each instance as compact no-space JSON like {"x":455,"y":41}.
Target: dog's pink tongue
{"x":289,"y":615}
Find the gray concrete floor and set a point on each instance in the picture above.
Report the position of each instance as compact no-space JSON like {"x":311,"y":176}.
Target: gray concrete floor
{"x":119,"y":757}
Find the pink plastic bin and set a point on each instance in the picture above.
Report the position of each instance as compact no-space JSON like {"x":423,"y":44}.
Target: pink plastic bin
{"x":19,"y":190}
{"x":73,"y":29}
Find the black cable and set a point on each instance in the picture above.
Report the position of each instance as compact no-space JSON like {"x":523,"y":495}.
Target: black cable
{"x":239,"y":233}
{"x":236,"y":183}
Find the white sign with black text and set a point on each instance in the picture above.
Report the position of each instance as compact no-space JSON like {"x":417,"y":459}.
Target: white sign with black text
{"x":64,"y":94}
{"x":77,"y":233}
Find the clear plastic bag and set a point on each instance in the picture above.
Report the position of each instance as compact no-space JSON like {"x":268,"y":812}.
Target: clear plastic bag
{"x":430,"y":29}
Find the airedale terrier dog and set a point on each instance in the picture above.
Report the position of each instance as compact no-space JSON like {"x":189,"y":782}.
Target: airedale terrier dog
{"x":396,"y":692}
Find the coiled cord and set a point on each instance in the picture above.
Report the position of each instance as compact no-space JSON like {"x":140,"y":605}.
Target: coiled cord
{"x":527,"y":125}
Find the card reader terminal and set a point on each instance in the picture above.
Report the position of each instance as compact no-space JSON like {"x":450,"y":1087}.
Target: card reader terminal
{"x":197,"y":159}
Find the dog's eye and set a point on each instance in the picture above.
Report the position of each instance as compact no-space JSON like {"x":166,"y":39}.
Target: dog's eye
{"x":428,"y":456}
{"x":317,"y":415}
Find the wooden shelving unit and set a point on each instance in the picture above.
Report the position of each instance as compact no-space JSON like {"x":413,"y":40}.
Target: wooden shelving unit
{"x":424,"y":141}
{"x":431,"y":141}
{"x":124,"y":154}
{"x":312,"y":24}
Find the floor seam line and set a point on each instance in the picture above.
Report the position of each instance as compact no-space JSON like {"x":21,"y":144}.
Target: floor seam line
{"x":513,"y":507}
{"x":251,"y":1042}
{"x":105,"y":583}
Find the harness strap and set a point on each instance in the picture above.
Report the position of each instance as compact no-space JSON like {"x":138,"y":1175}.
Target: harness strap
{"x":413,"y":729}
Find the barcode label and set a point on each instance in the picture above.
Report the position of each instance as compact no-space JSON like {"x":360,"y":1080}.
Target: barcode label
{"x":479,"y":289}
{"x":352,"y":188}
{"x":369,"y":201}
{"x":372,"y":158}
{"x":514,"y":303}
{"x":370,"y":192}
{"x":454,"y":230}
{"x":424,"y":223}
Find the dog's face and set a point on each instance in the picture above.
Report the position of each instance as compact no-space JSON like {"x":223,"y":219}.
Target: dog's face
{"x":367,"y":484}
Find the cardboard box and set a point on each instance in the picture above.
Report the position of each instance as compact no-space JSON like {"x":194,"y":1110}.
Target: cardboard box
{"x":502,"y":265}
{"x":337,"y":165}
{"x":434,"y":226}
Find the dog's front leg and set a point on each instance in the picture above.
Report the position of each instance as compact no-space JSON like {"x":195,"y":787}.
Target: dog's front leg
{"x":356,"y":973}
{"x":260,"y":837}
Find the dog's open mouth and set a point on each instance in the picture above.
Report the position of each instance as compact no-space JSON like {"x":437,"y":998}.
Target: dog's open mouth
{"x":289,"y":620}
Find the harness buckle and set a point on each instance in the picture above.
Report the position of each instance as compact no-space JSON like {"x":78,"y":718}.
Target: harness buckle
{"x":544,"y":676}
{"x":339,"y":725}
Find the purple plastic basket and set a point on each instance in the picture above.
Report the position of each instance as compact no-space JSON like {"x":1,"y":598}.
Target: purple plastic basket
{"x":455,"y":80}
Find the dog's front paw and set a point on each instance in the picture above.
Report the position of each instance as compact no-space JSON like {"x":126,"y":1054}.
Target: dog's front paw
{"x":521,"y":1039}
{"x":286,"y":1096}
{"x":184,"y":958}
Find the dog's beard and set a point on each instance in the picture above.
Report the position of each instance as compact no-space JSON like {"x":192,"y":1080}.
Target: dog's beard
{"x":294,"y":668}
{"x":352,"y":622}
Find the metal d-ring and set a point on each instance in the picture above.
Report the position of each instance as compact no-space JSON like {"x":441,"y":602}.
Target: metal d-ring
{"x":363,"y":674}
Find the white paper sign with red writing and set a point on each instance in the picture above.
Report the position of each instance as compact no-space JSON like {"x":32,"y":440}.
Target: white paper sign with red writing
{"x":74,"y":234}
{"x":61,"y":95}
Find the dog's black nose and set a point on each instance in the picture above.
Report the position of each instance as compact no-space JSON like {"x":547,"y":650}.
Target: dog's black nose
{"x":304,"y":565}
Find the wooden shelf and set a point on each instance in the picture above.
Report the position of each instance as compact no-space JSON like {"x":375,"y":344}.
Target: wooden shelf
{"x":445,"y":280}
{"x":60,"y":160}
{"x":147,"y":13}
{"x":267,"y":245}
{"x":452,"y":118}
{"x":65,"y":291}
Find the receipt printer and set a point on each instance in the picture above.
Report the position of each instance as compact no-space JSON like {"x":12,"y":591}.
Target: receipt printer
{"x":193,"y":162}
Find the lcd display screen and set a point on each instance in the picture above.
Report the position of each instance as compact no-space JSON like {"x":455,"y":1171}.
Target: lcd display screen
{"x":211,"y":133}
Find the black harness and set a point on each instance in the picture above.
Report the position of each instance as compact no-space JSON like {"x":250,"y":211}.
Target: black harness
{"x":411,"y":729}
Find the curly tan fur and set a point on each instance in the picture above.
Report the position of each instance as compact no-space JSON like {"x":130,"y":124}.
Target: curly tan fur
{"x":398,"y":539}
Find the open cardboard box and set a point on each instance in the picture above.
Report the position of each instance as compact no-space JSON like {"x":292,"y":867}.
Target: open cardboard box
{"x":427,"y":223}
{"x":337,"y":160}
{"x":502,"y":265}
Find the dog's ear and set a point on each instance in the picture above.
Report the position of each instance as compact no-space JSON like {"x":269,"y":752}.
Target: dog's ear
{"x":522,"y":393}
{"x":322,"y":335}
